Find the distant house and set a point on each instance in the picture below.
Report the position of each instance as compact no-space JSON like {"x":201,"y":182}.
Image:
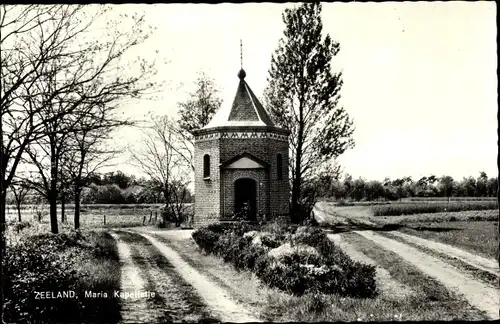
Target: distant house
{"x":241,"y":163}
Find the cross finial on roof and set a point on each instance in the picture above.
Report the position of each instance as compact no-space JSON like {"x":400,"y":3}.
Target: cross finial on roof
{"x":242,"y":72}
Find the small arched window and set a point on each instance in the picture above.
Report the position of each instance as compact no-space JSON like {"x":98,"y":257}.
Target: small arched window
{"x":279,"y":167}
{"x":206,"y":166}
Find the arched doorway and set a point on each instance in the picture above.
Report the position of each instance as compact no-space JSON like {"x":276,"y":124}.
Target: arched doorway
{"x":245,"y":198}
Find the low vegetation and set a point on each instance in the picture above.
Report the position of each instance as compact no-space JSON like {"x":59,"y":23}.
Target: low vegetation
{"x":464,"y":216}
{"x":275,"y":305}
{"x":436,"y":207}
{"x":47,"y":276}
{"x":295,"y":259}
{"x":480,"y":237}
{"x":431,"y":301}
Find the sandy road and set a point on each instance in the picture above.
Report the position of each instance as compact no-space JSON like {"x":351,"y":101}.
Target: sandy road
{"x":389,"y":287}
{"x":133,"y":308}
{"x":138,"y":271}
{"x":478,"y":294}
{"x":213,"y":295}
{"x":485,"y":264}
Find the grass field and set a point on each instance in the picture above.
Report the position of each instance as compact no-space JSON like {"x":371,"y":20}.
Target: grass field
{"x":95,"y":215}
{"x":415,"y":210}
{"x":480,"y":237}
{"x":435,"y":207}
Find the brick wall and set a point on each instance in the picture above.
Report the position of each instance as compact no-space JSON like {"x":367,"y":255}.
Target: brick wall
{"x":279,"y":189}
{"x":207,"y":191}
{"x":215,"y":197}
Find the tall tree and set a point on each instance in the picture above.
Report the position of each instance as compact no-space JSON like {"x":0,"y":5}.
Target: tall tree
{"x":447,"y":186}
{"x":85,"y":78}
{"x":86,"y":154}
{"x":303,"y":96}
{"x":26,"y":48}
{"x":194,"y":113}
{"x":201,"y":105}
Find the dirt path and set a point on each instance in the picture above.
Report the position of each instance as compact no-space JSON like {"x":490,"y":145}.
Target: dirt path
{"x":214,"y":296}
{"x":134,"y":307}
{"x":489,"y":265}
{"x":174,"y":300}
{"x":476,"y":293}
{"x":389,"y":287}
{"x":325,"y":212}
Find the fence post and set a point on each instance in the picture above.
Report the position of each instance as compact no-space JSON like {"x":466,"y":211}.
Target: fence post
{"x":150,"y":215}
{"x":104,"y":218}
{"x":156,"y":216}
{"x":144,"y":220}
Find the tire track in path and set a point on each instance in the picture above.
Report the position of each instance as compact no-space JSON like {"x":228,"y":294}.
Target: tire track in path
{"x":174,"y":299}
{"x":389,"y":287}
{"x":215,"y":297}
{"x":476,"y":293}
{"x":132,"y":308}
{"x":488,"y":265}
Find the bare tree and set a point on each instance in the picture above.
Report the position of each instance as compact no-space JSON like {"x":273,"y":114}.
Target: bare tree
{"x":20,"y":191}
{"x":84,"y":76}
{"x":88,"y":153}
{"x":22,"y":57}
{"x":158,"y":157}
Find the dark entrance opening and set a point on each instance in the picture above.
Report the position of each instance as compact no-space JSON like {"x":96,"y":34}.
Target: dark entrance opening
{"x":245,"y":198}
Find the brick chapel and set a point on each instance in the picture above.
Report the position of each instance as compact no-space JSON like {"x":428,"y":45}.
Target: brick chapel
{"x":241,"y":163}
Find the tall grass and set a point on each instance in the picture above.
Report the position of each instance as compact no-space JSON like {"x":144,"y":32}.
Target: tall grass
{"x":435,"y":207}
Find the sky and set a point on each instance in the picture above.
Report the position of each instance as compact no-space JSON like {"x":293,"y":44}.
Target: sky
{"x":420,"y":78}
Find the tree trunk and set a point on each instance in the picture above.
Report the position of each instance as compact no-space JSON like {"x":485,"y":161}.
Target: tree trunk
{"x":3,"y":203}
{"x":77,"y":208}
{"x":63,"y":211}
{"x":3,"y":200}
{"x":296,"y":180}
{"x":19,"y":211}
{"x":53,"y":210}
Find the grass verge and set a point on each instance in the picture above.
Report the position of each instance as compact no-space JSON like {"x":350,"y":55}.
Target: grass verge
{"x":480,"y":237}
{"x":66,"y":267}
{"x":465,"y":267}
{"x":432,"y":300}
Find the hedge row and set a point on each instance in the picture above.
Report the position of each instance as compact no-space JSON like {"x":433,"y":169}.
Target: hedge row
{"x":297,"y":260}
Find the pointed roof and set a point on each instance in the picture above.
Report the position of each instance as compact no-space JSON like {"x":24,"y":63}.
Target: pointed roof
{"x":246,"y":110}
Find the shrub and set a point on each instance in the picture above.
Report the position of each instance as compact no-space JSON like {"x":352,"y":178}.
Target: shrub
{"x":39,"y":272}
{"x":20,"y":226}
{"x":301,"y":253}
{"x":206,"y":239}
{"x":35,"y":265}
{"x":264,"y":239}
{"x":293,"y":259}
